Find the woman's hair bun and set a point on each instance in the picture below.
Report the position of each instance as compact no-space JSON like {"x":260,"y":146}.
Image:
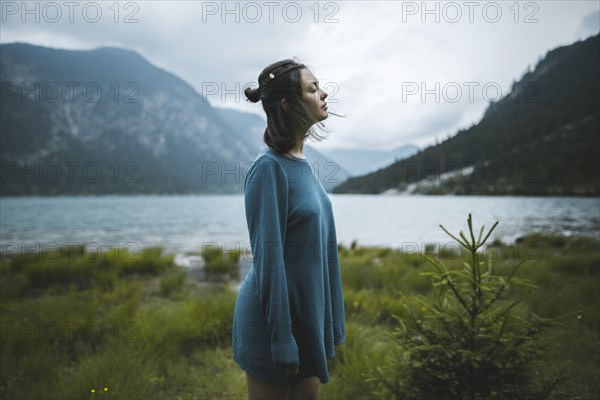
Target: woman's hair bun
{"x":253,"y":94}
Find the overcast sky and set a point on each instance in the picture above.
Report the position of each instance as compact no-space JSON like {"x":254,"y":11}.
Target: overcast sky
{"x":376,"y":58}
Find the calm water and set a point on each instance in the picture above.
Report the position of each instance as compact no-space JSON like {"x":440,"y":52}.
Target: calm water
{"x":186,"y":223}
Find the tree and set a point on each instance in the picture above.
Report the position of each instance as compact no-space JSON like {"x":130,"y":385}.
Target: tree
{"x":468,"y":344}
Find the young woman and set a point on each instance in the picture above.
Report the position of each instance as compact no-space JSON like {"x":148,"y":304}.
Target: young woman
{"x":289,"y":312}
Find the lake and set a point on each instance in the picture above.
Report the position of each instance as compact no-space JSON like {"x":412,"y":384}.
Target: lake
{"x":184,"y":223}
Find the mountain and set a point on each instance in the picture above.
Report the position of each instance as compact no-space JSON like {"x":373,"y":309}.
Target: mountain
{"x":540,"y":139}
{"x":360,"y":161}
{"x":106,"y":121}
{"x":245,"y":124}
{"x":329,"y":172}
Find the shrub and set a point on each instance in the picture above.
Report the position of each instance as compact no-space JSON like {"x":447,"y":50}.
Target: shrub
{"x":148,"y":261}
{"x":467,"y":343}
{"x":218,"y":262}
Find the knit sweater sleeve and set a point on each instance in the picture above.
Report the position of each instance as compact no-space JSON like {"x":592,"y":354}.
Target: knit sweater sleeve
{"x":266,"y":203}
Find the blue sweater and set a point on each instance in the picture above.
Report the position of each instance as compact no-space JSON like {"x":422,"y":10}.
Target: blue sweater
{"x":290,"y":308}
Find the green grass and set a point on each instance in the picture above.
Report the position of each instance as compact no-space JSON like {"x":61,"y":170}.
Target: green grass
{"x":221,"y":263}
{"x":173,"y":281}
{"x":136,"y":325}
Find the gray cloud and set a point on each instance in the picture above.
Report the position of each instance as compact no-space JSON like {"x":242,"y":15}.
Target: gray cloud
{"x":590,"y":25}
{"x":367,"y":52}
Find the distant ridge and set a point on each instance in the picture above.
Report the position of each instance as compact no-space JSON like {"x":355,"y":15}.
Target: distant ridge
{"x":69,"y":115}
{"x":540,"y":139}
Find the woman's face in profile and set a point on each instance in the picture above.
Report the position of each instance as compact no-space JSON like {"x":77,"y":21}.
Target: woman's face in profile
{"x":313,"y":95}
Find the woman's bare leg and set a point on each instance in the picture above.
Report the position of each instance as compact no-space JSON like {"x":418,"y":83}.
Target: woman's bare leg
{"x":260,"y":390}
{"x":306,"y":389}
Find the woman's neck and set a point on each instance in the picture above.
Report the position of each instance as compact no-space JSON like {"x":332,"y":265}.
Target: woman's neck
{"x":298,"y":149}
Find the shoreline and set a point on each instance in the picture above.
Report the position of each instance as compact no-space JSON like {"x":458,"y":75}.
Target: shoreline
{"x":191,"y":258}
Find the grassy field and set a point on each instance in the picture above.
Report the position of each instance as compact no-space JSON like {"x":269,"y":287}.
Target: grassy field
{"x":135,"y":327}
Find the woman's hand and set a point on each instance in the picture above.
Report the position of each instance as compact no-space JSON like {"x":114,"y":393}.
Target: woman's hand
{"x":289,"y":371}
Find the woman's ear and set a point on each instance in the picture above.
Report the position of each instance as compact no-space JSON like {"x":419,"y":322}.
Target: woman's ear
{"x":284,"y":104}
